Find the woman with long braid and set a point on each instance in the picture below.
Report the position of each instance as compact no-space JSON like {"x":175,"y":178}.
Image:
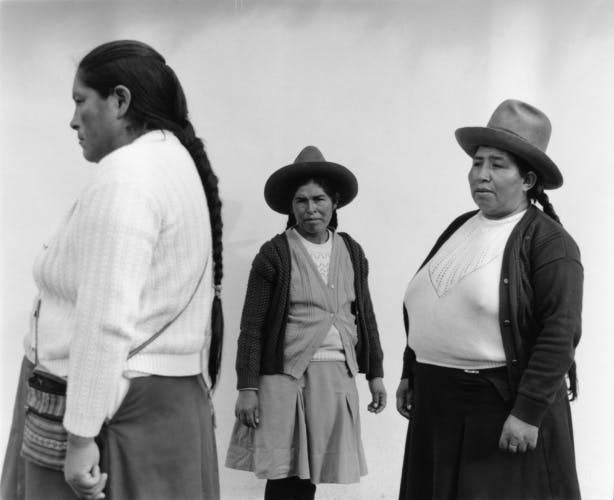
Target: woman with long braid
{"x":493,"y":318}
{"x":129,"y":311}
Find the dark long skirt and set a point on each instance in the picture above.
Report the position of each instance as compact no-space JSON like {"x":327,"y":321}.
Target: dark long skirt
{"x":13,"y":471}
{"x":159,"y":445}
{"x":453,"y":436}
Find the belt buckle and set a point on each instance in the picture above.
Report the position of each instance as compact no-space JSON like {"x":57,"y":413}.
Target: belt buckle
{"x":474,"y":372}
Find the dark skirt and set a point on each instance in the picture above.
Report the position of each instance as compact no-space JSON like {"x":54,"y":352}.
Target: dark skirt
{"x":452,"y":449}
{"x":13,"y":471}
{"x":160,"y":444}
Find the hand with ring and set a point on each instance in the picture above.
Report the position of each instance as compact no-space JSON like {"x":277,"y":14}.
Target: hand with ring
{"x":517,"y":436}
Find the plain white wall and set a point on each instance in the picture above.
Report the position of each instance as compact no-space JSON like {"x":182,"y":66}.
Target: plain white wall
{"x":379,"y":87}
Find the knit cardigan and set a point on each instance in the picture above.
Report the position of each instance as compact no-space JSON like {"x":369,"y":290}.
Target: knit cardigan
{"x":265,"y":313}
{"x":540,"y":309}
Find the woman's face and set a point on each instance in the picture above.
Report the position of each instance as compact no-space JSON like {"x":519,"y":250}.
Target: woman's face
{"x":313,"y":210}
{"x":96,"y":121}
{"x":497,"y":186}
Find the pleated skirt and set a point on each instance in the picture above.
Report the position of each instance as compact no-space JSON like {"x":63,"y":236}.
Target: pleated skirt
{"x":309,"y":428}
{"x":452,"y":443}
{"x":160,"y":444}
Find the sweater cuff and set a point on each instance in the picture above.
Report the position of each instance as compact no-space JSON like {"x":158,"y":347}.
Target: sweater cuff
{"x":408,"y":359}
{"x":376,"y":367}
{"x":406,"y":373}
{"x":248,"y":381}
{"x":529,"y":410}
{"x":84,"y":428}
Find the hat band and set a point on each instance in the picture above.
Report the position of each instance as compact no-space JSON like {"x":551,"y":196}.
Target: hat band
{"x":503,"y":129}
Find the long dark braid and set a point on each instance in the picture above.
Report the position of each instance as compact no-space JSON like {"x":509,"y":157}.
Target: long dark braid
{"x":538,"y":194}
{"x":158,"y":102}
{"x":209,"y":181}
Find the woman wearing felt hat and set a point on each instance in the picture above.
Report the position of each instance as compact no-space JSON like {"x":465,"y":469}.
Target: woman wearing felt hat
{"x":307,"y":329}
{"x":493,"y":318}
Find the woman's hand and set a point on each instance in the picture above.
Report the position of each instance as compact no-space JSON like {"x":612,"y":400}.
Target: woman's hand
{"x":246,"y":409}
{"x":81,"y":469}
{"x":517,"y":436}
{"x":378,"y":395}
{"x":404,"y":398}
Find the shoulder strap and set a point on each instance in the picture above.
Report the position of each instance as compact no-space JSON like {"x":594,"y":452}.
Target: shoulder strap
{"x":138,"y":348}
{"x":142,"y":346}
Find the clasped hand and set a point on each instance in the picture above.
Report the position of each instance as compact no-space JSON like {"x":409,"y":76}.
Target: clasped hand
{"x":518,"y":436}
{"x":82,"y":469}
{"x":378,"y":395}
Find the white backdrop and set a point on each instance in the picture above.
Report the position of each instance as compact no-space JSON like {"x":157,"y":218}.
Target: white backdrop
{"x":378,"y":86}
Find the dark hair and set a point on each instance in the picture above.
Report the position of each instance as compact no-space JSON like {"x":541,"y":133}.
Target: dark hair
{"x":537,"y":193}
{"x":158,"y":103}
{"x":327,"y":187}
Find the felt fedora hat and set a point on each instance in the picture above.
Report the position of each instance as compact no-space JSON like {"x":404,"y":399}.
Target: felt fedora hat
{"x":521,"y":129}
{"x":310,"y":163}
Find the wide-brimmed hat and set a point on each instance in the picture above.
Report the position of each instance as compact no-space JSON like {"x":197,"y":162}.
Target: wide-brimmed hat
{"x":521,"y":129}
{"x":310,"y":163}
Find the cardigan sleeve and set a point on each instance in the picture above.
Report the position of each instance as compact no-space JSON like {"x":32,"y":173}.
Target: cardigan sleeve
{"x":376,"y":355}
{"x":409,"y":356}
{"x":371,"y":360}
{"x":557,"y":279}
{"x":117,"y":226}
{"x":260,"y":288}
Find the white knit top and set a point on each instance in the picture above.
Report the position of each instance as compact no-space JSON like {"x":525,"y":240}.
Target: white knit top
{"x":453,"y":301}
{"x":124,"y":262}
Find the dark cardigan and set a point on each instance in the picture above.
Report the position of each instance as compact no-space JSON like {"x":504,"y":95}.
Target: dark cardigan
{"x":540,"y":309}
{"x":265,"y":312}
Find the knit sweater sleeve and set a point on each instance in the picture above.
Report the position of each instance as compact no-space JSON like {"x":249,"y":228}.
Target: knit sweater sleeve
{"x":371,"y":357}
{"x":557,"y":278}
{"x":258,"y":298}
{"x":376,"y":355}
{"x":117,"y":225}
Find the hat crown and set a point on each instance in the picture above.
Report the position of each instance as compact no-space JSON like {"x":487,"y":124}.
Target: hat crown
{"x":310,"y":154}
{"x":280,"y":187}
{"x":523,"y":120}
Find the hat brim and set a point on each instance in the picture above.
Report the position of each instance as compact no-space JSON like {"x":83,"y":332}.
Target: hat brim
{"x":283,"y":183}
{"x":471,"y":138}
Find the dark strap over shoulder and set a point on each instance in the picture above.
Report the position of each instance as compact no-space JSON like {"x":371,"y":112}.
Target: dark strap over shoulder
{"x":138,"y":348}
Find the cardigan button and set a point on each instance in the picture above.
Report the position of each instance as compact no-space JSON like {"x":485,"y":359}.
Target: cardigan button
{"x":507,"y":322}
{"x":506,"y":281}
{"x":514,"y":362}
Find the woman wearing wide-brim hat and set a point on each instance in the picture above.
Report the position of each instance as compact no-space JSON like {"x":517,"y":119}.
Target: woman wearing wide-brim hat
{"x":493,"y":318}
{"x":307,"y":330}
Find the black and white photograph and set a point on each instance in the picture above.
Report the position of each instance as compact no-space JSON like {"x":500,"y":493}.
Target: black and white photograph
{"x":311,"y":249}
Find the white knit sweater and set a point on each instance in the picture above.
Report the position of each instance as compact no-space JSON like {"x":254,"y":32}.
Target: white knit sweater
{"x":453,"y":301}
{"x":124,"y":262}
